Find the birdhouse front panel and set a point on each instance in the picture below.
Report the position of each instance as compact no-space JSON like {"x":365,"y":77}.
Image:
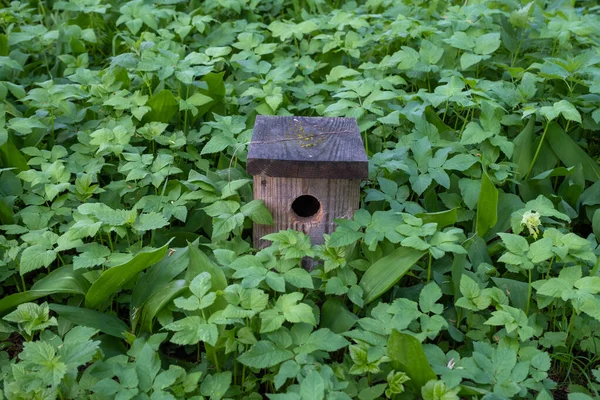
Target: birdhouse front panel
{"x":304,"y":204}
{"x":308,"y":171}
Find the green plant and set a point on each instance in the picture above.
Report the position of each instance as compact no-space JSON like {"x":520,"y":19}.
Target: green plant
{"x":469,"y":271}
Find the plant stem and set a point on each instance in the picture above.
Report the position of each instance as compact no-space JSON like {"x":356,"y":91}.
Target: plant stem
{"x":571,"y":320}
{"x":537,"y":152}
{"x":17,"y":284}
{"x":429,"y":269}
{"x":549,"y":267}
{"x":110,"y":242}
{"x":244,"y":370}
{"x":512,"y":64}
{"x":528,"y":295}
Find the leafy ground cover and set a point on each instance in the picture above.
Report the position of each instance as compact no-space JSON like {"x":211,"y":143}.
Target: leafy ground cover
{"x":471,"y":270}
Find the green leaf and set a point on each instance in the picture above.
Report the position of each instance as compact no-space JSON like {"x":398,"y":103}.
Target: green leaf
{"x":335,"y":316}
{"x":488,"y":43}
{"x":340,"y":72}
{"x":94,"y":254}
{"x":468,"y":287}
{"x":322,"y":339}
{"x":114,"y":278}
{"x":299,"y":277}
{"x":61,"y":280}
{"x":191,"y":330}
{"x":153,"y":280}
{"x":150,"y":221}
{"x":442,"y":218}
{"x":487,"y":206}
{"x":257,"y":212}
{"x":34,"y":257}
{"x":147,"y":367}
{"x":569,"y":152}
{"x":264,"y":354}
{"x":312,"y":387}
{"x":474,"y":134}
{"x":198,"y":99}
{"x":384,"y":273}
{"x":407,"y":351}
{"x":428,"y":297}
{"x":31,"y":317}
{"x":524,"y":149}
{"x":199,"y":263}
{"x":106,"y":323}
{"x":564,"y":108}
{"x":163,"y":106}
{"x":460,"y":162}
{"x":215,"y":386}
{"x":156,"y":302}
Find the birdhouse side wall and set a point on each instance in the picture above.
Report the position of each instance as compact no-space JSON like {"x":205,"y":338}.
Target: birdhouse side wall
{"x":338,"y":198}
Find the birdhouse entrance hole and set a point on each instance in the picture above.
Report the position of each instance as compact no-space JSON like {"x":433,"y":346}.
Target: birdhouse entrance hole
{"x":306,"y":206}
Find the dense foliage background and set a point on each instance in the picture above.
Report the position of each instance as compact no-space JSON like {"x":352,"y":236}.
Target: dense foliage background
{"x":471,"y":269}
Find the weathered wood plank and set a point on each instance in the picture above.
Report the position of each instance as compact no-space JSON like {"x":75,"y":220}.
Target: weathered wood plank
{"x":307,"y":147}
{"x":338,"y":198}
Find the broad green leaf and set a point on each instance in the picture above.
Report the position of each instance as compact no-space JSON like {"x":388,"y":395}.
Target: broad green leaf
{"x":155,"y":303}
{"x":406,"y":350}
{"x":384,"y":273}
{"x":176,"y":261}
{"x":524,"y":149}
{"x":163,"y":106}
{"x":487,"y":206}
{"x":335,"y":316}
{"x":61,"y":280}
{"x":442,"y":218}
{"x":106,"y":323}
{"x":569,"y":152}
{"x":114,"y":278}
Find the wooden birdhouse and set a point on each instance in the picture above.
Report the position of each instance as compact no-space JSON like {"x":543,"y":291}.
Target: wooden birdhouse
{"x":308,"y":171}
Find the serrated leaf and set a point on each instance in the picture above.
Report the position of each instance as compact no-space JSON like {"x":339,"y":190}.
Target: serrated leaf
{"x":35,"y":257}
{"x":264,"y":354}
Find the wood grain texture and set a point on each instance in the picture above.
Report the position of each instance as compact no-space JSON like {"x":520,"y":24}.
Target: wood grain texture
{"x":307,"y":147}
{"x":339,"y":198}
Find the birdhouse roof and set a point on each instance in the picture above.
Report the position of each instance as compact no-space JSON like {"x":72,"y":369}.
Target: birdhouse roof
{"x":307,"y":147}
